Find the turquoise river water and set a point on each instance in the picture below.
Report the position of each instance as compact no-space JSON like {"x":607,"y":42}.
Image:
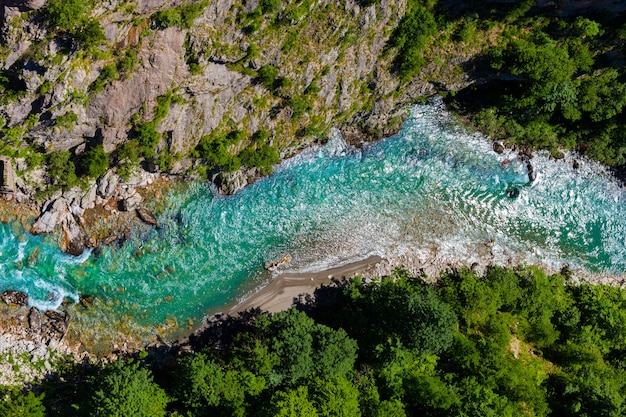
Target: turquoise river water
{"x":432,"y":186}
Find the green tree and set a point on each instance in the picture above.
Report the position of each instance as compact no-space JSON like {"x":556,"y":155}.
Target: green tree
{"x":336,"y":397}
{"x":72,"y":17}
{"x":126,"y":389}
{"x":61,"y":169}
{"x":410,"y":37}
{"x":95,"y":161}
{"x":68,"y":14}
{"x":399,"y":309}
{"x":200,"y":382}
{"x":15,"y":403}
{"x":292,"y":403}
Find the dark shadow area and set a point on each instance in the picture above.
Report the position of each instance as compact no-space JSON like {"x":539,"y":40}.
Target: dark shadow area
{"x":219,"y":332}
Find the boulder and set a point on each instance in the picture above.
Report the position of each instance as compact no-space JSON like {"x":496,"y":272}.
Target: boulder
{"x":146,"y":216}
{"x":86,"y":300}
{"x":130,"y":202}
{"x":51,"y":216}
{"x":498,"y":147}
{"x":109,"y":239}
{"x":15,"y":297}
{"x":107,"y":184}
{"x":73,"y":241}
{"x":88,"y":200}
{"x":34,"y":319}
{"x":230,"y":182}
{"x":55,"y":315}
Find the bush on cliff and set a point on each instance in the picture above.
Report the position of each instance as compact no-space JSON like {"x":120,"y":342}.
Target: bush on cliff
{"x":410,"y":38}
{"x":61,"y":169}
{"x":72,"y":17}
{"x":181,"y":16}
{"x":94,"y":162}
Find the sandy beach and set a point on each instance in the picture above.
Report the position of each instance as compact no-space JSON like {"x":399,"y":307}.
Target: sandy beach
{"x":281,"y":293}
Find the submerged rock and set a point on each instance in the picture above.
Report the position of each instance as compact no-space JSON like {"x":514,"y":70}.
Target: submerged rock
{"x":512,"y":192}
{"x":15,"y":297}
{"x":86,"y":300}
{"x":109,"y":239}
{"x":146,"y":216}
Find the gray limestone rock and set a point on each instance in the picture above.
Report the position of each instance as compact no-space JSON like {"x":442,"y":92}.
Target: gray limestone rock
{"x":34,"y":319}
{"x":107,"y":184}
{"x":73,"y":240}
{"x":131,"y":202}
{"x":51,"y":216}
{"x":88,"y":200}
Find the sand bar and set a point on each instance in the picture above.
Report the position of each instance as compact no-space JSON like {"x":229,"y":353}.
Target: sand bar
{"x":283,"y":290}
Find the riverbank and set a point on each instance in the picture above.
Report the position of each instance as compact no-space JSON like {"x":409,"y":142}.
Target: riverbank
{"x":288,"y":288}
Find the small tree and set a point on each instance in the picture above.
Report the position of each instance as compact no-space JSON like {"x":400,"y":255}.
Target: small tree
{"x":95,"y":161}
{"x":61,"y":169}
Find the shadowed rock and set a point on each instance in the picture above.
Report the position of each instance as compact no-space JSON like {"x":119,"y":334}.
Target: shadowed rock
{"x":146,"y":216}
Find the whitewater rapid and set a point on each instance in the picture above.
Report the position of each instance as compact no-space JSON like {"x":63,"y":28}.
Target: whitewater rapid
{"x":433,"y":187}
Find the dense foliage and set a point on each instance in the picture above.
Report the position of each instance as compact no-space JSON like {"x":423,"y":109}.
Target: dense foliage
{"x":72,"y":18}
{"x":509,"y":343}
{"x":410,"y":37}
{"x":552,"y":83}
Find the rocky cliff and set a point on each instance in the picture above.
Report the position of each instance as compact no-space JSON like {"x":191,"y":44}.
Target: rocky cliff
{"x":172,"y":87}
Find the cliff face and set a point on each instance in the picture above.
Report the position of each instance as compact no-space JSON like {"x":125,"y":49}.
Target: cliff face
{"x":291,"y":71}
{"x":338,"y":47}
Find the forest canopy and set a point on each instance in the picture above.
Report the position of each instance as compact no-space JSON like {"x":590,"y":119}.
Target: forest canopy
{"x":510,"y":342}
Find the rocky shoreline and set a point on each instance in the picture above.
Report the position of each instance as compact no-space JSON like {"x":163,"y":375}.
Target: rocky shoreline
{"x":31,"y":341}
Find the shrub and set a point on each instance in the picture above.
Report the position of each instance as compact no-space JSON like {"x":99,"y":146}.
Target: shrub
{"x":67,"y":120}
{"x":269,"y":6}
{"x":45,"y":87}
{"x":182,"y":16}
{"x":68,"y":15}
{"x":267,"y":76}
{"x":214,"y":150}
{"x":128,"y":63}
{"x":61,"y":169}
{"x":108,"y":74}
{"x":264,"y":157}
{"x":148,"y":137}
{"x":95,"y":161}
{"x":299,"y":106}
{"x":89,"y":35}
{"x":72,"y":17}
{"x":410,"y":37}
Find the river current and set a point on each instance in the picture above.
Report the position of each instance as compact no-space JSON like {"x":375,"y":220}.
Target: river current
{"x":432,"y":186}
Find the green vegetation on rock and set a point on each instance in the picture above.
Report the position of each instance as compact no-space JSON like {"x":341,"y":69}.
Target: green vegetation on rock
{"x":182,"y":16}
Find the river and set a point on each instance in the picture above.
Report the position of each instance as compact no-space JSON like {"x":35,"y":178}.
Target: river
{"x":433,"y":187}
